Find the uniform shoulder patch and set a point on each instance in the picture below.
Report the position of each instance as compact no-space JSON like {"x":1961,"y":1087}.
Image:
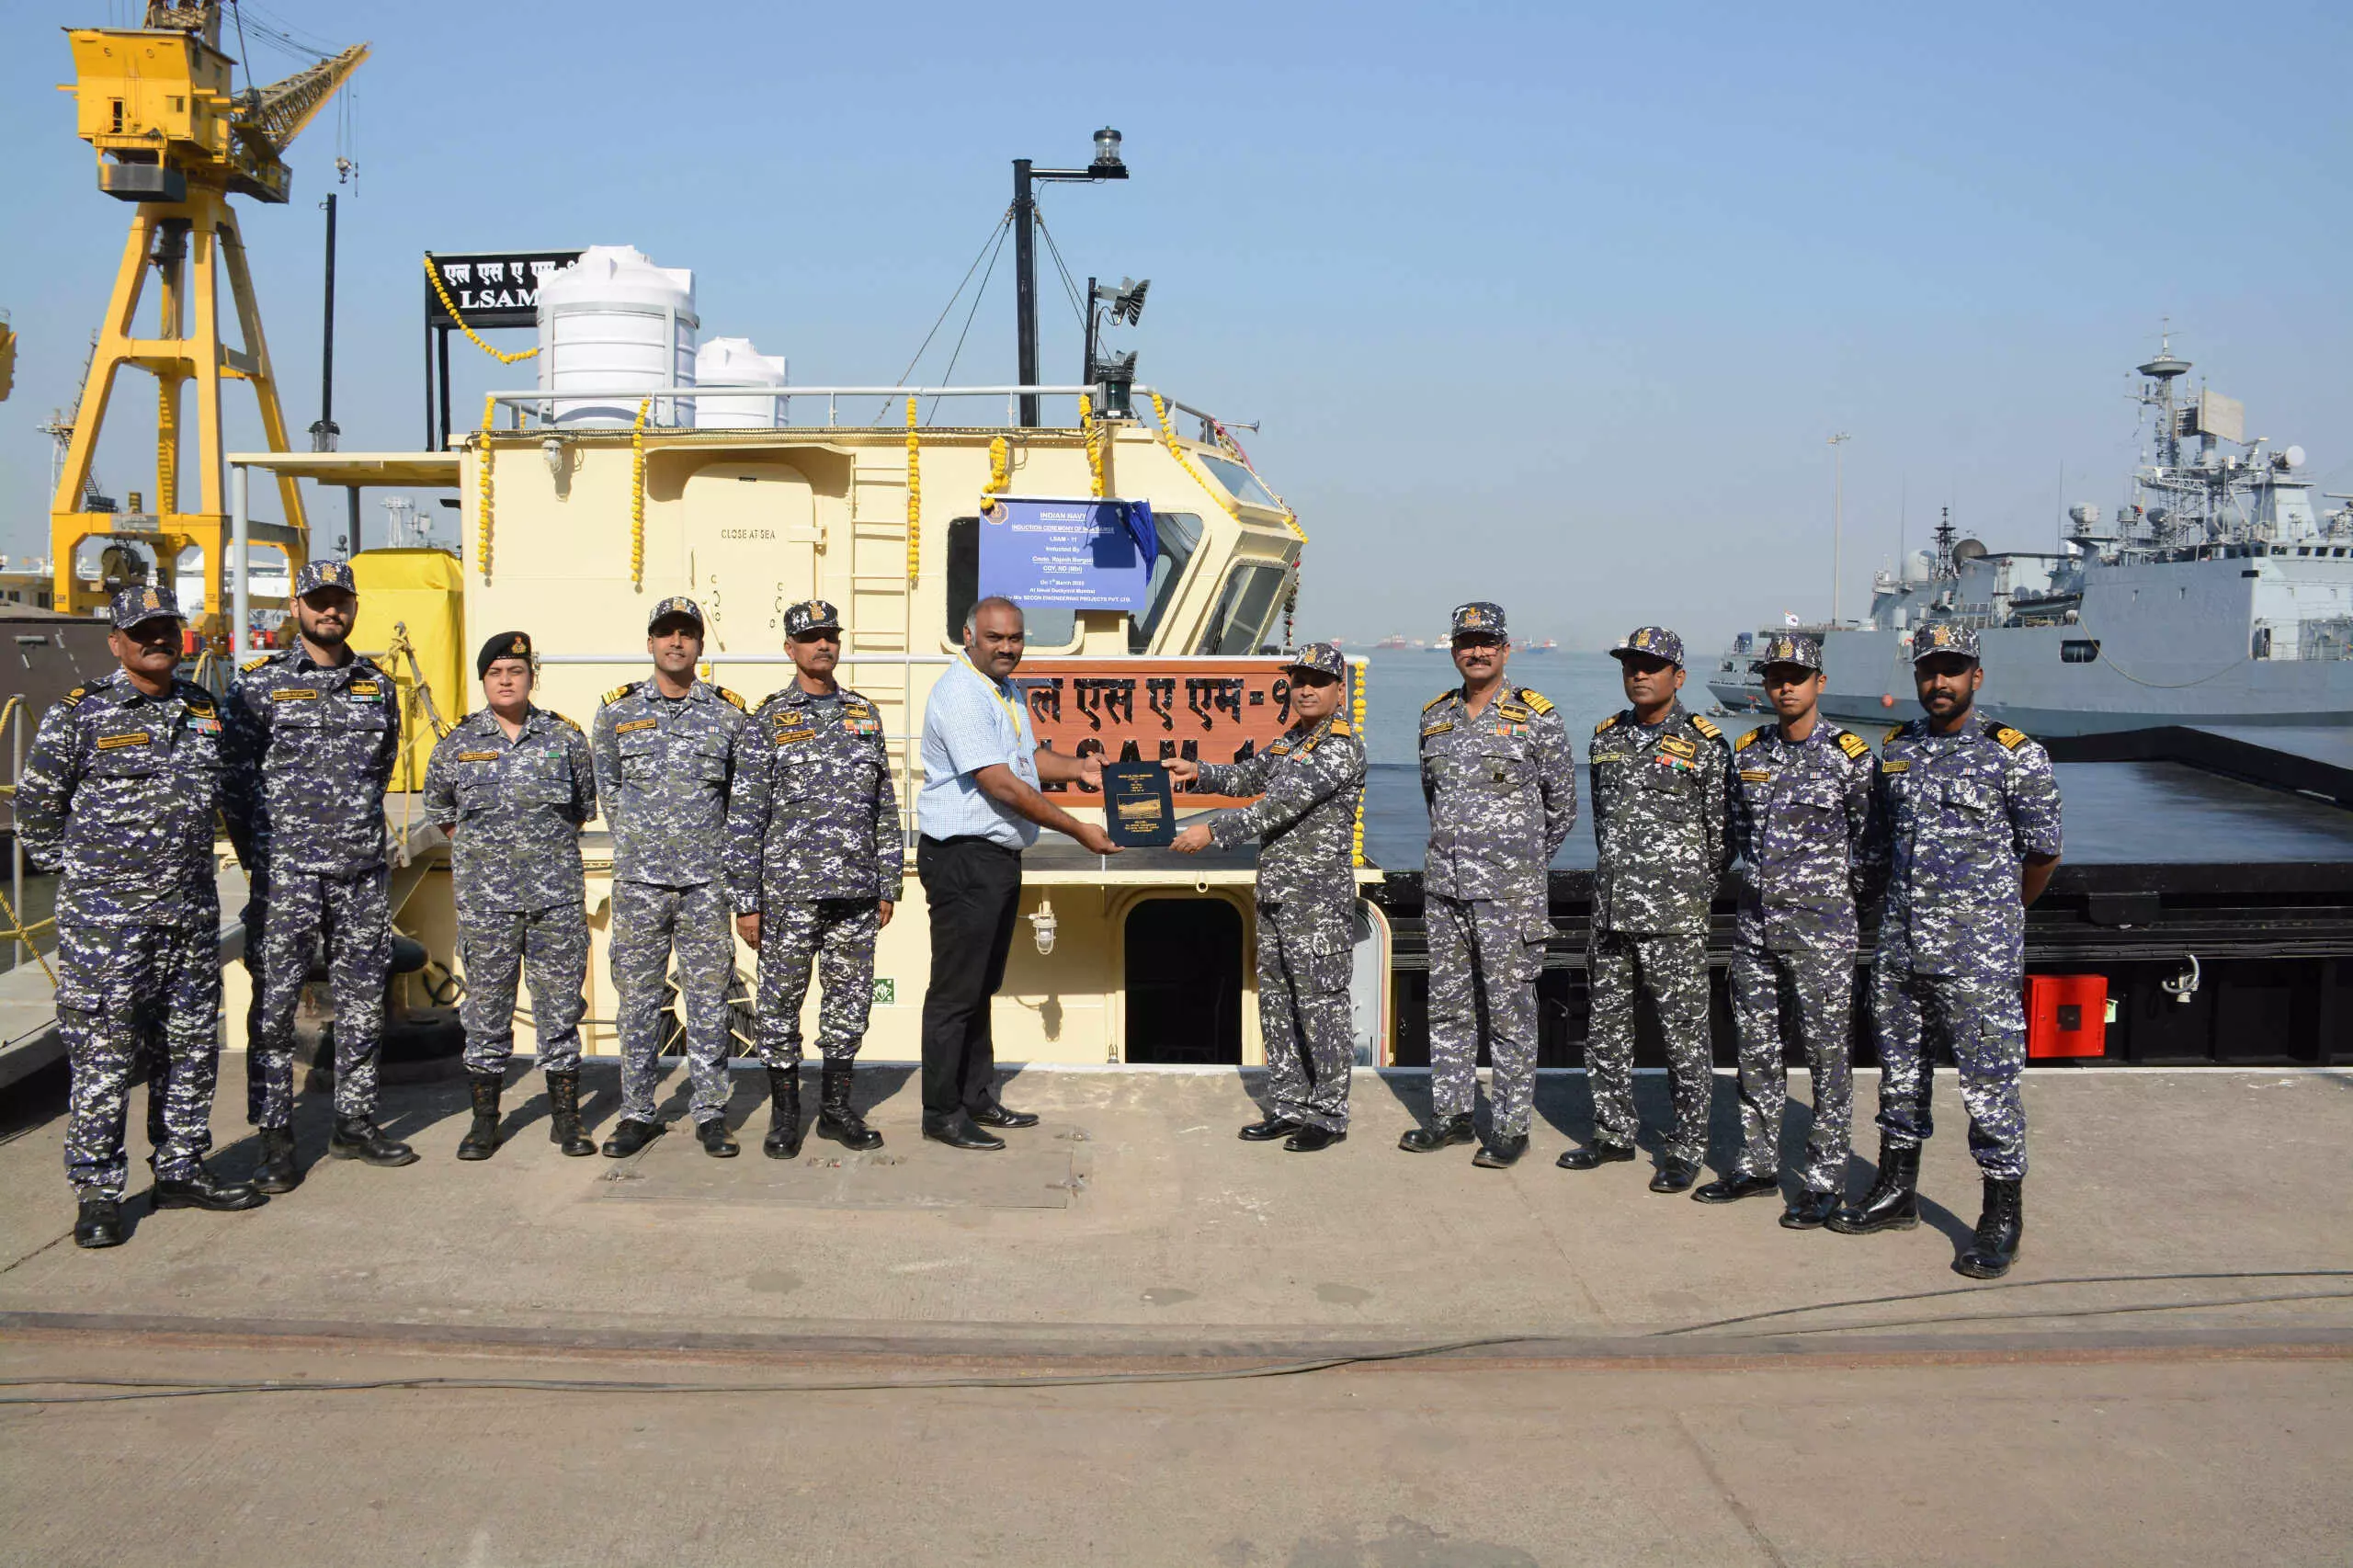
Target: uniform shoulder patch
{"x":1436,"y":700}
{"x":730,"y":696}
{"x":1892,"y":733}
{"x":1536,"y":701}
{"x":2005,"y":737}
{"x":1854,"y":745}
{"x":1748,"y":740}
{"x":1609,"y":724}
{"x":254,"y":664}
{"x":73,"y":698}
{"x":618,"y":693}
{"x":1700,"y":722}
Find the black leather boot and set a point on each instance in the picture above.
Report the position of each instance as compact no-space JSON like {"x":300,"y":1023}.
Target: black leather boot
{"x":1674,"y":1174}
{"x":716,"y":1140}
{"x":630,"y":1135}
{"x":1438,"y":1134}
{"x":359,"y":1137}
{"x":481,"y":1141}
{"x":783,"y":1141}
{"x":277,"y":1173}
{"x":835,"y":1119}
{"x":1593,"y":1157}
{"x":1732,"y":1189}
{"x":98,"y":1222}
{"x":563,"y":1114}
{"x":1893,"y":1202}
{"x":1500,"y":1154}
{"x":205,"y":1190}
{"x":1999,"y":1227}
{"x":1809,"y":1211}
{"x":1307,"y":1140}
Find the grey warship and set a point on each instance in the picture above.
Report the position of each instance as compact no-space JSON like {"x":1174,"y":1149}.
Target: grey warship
{"x":2219,"y":594}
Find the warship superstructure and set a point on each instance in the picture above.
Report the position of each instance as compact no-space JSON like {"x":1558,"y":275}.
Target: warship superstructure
{"x":2219,"y":594}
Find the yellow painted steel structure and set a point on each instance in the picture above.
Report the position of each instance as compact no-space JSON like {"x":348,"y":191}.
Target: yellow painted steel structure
{"x":156,"y":104}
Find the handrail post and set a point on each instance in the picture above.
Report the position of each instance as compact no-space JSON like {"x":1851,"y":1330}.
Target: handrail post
{"x":240,"y":537}
{"x":16,"y":835}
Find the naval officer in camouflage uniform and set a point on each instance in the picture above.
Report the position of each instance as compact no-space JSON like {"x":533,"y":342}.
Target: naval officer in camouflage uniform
{"x":1309,"y":784}
{"x":667,"y":750}
{"x":1499,"y":778}
{"x":1969,"y":813}
{"x":314,"y":732}
{"x":512,"y":784}
{"x":815,"y":864}
{"x":1658,"y":817}
{"x":1801,"y":809}
{"x":119,"y":791}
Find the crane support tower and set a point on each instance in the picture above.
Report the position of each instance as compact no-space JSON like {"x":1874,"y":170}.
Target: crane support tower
{"x":171,"y":134}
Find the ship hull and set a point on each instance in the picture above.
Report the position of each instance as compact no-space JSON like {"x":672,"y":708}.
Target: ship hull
{"x":2156,"y":643}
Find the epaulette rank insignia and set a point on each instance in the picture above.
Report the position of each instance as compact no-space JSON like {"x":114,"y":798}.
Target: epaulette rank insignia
{"x":1436,"y":700}
{"x":1748,"y":740}
{"x":1854,"y":745}
{"x":2009,"y":738}
{"x":1607,"y":723}
{"x":1702,"y":724}
{"x":730,"y":696}
{"x":1891,"y":734}
{"x":73,"y":697}
{"x":560,"y":719}
{"x":254,"y":664}
{"x":618,"y":693}
{"x":1535,"y":700}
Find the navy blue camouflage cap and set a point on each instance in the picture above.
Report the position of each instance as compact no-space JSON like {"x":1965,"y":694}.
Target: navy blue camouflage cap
{"x":1655,"y":640}
{"x":131,"y":605}
{"x":1324,"y":658}
{"x":1788,"y":648}
{"x":1478,"y":618}
{"x":1944,"y":637}
{"x":676,"y":604}
{"x":317,"y":574}
{"x":811,"y":615}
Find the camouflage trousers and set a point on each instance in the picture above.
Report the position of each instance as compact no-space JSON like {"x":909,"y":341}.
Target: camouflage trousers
{"x":649,"y":921}
{"x":289,"y":915}
{"x":835,"y":937}
{"x":1821,"y":986}
{"x":119,"y":989}
{"x":1674,"y":968}
{"x":1485,"y":954}
{"x":500,"y":947}
{"x":1305,"y":955}
{"x":1983,"y":1020}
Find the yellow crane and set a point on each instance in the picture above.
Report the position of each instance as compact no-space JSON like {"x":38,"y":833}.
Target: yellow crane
{"x":172,"y":135}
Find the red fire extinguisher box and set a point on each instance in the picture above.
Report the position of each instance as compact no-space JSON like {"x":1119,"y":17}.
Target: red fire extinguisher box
{"x":2067,"y":1014}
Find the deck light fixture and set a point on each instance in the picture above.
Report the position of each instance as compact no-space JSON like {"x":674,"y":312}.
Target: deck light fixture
{"x":1107,"y":155}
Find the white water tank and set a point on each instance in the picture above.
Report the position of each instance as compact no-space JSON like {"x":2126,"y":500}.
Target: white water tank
{"x":615,"y":326}
{"x":733,"y":361}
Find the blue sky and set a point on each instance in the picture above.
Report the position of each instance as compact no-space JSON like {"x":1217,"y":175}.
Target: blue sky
{"x":1548,"y":305}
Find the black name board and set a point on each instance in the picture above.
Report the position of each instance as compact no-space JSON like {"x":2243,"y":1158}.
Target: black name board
{"x":492,"y":288}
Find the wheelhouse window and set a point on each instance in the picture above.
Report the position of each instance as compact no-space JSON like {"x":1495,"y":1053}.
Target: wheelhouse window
{"x":1180,"y":535}
{"x":1245,"y":606}
{"x":1244,"y":484}
{"x":2079,"y":651}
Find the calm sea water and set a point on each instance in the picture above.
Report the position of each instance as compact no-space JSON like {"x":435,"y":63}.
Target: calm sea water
{"x":2119,"y":812}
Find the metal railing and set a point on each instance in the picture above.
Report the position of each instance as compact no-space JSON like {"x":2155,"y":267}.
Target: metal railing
{"x":535,"y":408}
{"x":13,"y":716}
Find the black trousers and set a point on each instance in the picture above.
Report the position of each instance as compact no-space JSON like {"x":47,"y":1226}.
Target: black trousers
{"x":973,"y":888}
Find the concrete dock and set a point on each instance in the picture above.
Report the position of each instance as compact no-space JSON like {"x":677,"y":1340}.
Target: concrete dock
{"x":1520,"y":1366}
